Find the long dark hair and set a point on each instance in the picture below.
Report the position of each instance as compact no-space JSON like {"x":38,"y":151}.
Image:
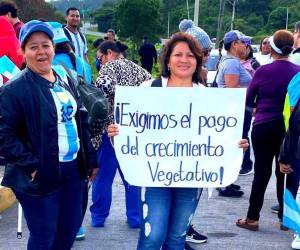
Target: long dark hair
{"x":168,"y":49}
{"x":117,"y":47}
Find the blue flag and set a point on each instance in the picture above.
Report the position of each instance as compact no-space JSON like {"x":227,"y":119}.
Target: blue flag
{"x":291,"y":212}
{"x":8,"y":68}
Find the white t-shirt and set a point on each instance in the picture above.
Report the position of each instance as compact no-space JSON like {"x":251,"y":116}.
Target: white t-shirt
{"x":164,"y":81}
{"x":263,"y":59}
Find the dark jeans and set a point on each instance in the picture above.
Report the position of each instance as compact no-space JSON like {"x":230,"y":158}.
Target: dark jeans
{"x":53,"y":219}
{"x":166,"y":215}
{"x":266,"y":138}
{"x":247,"y":163}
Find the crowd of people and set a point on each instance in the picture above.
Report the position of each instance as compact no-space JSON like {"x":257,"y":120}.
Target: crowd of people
{"x":52,"y":153}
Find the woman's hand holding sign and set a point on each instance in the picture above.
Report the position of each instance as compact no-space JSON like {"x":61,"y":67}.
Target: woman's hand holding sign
{"x":112,"y":130}
{"x":244,"y":144}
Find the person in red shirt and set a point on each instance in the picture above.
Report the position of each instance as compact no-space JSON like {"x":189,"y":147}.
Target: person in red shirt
{"x":9,"y":44}
{"x":10,"y":11}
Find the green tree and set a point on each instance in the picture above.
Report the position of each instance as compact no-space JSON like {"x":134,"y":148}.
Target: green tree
{"x":137,"y":18}
{"x":277,"y":19}
{"x":34,"y":9}
{"x":104,"y":16}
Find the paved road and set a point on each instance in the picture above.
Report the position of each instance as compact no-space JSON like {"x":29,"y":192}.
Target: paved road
{"x":214,"y":217}
{"x":86,"y":29}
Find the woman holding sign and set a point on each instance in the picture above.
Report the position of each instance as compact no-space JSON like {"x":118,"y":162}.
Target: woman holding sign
{"x":167,"y":212}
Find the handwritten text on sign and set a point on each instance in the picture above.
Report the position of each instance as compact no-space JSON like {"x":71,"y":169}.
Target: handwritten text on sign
{"x":179,"y":137}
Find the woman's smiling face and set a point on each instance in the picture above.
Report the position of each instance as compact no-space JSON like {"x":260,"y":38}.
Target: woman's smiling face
{"x":39,"y":53}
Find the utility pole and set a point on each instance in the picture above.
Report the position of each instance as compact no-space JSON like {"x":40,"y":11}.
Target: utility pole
{"x":188,"y":8}
{"x":168,"y":24}
{"x":287,"y":18}
{"x":220,"y":20}
{"x":233,"y":13}
{"x":196,"y":12}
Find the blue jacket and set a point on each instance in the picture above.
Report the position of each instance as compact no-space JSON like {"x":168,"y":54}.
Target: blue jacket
{"x":29,"y":136}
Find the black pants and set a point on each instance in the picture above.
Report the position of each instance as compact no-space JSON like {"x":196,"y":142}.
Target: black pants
{"x":147,"y":66}
{"x":266,"y":139}
{"x":247,"y":163}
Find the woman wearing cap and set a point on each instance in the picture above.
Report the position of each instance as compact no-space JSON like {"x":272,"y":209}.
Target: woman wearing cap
{"x":166,"y":212}
{"x":115,"y":70}
{"x":206,"y":45}
{"x":268,"y":89}
{"x":232,"y":74}
{"x":40,"y":137}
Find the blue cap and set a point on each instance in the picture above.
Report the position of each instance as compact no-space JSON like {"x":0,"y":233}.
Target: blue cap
{"x":235,"y":35}
{"x":202,"y":37}
{"x":34,"y":26}
{"x":58,"y":31}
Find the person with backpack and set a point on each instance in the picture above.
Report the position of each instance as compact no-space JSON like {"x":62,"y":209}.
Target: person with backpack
{"x":45,"y":141}
{"x":169,"y":210}
{"x":77,"y":39}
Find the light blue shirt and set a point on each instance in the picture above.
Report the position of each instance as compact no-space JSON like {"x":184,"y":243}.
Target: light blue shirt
{"x":66,"y":107}
{"x":230,"y":65}
{"x":294,"y":90}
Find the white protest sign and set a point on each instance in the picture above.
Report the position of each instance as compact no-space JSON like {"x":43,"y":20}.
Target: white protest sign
{"x":179,"y":137}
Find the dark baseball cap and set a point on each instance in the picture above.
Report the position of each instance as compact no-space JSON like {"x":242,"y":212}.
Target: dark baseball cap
{"x":34,"y":26}
{"x":235,"y":35}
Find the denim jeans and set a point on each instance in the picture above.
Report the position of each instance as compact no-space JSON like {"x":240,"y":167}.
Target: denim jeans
{"x":102,"y":188}
{"x":54,"y":219}
{"x":166,"y":216}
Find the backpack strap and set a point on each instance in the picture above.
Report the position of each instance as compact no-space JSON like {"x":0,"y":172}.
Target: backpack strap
{"x":82,"y":37}
{"x":157,"y":83}
{"x":214,"y":83}
{"x":68,"y":35}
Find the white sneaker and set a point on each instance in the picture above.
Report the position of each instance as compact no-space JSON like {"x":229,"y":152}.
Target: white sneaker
{"x":296,"y":242}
